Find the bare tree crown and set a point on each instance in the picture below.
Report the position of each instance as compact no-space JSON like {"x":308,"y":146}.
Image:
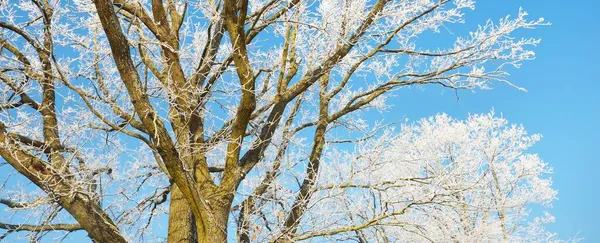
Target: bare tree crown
{"x":230,"y":120}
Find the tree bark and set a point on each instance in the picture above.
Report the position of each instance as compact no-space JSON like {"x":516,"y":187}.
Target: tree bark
{"x":213,"y":229}
{"x":185,"y":227}
{"x":182,"y":227}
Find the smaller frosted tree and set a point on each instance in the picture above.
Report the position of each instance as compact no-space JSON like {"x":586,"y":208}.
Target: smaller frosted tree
{"x":436,"y":180}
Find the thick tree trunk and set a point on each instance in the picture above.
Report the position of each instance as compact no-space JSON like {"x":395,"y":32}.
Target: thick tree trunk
{"x":182,"y":228}
{"x":214,"y":228}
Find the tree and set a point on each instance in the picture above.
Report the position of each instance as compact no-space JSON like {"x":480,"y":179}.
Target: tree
{"x":226,"y":115}
{"x":437,"y":180}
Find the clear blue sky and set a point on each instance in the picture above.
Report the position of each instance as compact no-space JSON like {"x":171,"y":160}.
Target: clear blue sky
{"x":562,"y":103}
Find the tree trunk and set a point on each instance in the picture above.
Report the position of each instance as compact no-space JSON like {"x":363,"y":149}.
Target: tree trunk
{"x":182,"y":228}
{"x":213,"y":229}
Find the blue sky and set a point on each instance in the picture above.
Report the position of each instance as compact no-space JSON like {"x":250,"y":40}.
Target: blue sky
{"x":562,"y":103}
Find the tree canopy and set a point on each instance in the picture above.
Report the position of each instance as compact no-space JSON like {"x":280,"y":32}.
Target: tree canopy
{"x":245,"y":120}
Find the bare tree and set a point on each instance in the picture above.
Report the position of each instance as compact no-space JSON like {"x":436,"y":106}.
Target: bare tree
{"x":218,"y":117}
